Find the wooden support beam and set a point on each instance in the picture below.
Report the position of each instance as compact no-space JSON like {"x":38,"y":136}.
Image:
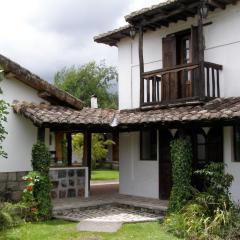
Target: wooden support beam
{"x":201,"y":57}
{"x":217,"y":4}
{"x":141,"y":64}
{"x":69,"y":148}
{"x":87,"y":154}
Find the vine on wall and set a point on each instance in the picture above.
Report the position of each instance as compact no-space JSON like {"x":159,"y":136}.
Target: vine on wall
{"x":181,"y":157}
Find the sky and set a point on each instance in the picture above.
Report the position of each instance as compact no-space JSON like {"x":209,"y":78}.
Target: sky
{"x":45,"y":36}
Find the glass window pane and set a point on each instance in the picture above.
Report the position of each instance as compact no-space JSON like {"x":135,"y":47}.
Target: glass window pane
{"x":237,"y":143}
{"x":148,"y":145}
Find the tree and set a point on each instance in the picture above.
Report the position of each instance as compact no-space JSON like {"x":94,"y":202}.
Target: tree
{"x":3,"y":119}
{"x":99,"y":146}
{"x":83,"y":82}
{"x":87,"y":80}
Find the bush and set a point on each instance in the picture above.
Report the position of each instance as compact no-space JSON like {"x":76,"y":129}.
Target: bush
{"x":181,"y":157}
{"x":41,"y":158}
{"x":210,"y":214}
{"x":12,"y":215}
{"x":38,"y":185}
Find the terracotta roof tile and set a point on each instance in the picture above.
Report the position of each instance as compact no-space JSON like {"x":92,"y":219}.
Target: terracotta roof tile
{"x":225,"y":109}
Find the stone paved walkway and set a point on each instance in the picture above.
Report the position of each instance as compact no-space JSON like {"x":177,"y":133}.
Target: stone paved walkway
{"x":108,"y":214}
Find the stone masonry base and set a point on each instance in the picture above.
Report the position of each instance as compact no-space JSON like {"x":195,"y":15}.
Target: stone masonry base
{"x":11,"y":185}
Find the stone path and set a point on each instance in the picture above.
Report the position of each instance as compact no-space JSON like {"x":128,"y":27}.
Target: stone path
{"x":106,"y":218}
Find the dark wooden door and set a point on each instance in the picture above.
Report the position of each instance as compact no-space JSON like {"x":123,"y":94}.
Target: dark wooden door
{"x":165,"y":166}
{"x":169,"y":80}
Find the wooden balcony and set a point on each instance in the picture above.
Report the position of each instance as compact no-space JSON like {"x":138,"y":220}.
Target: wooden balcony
{"x":180,"y":83}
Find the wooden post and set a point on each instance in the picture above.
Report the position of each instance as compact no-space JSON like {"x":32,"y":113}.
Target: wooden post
{"x":201,"y":57}
{"x":69,"y":148}
{"x":141,"y":64}
{"x":87,"y":154}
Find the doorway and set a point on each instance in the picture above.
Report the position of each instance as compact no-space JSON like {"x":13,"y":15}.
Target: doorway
{"x":207,"y":146}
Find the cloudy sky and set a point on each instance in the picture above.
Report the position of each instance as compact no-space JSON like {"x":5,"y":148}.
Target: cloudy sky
{"x":46,"y":35}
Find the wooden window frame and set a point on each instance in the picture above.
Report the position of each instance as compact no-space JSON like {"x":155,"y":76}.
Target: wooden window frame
{"x":141,"y":146}
{"x":236,"y":157}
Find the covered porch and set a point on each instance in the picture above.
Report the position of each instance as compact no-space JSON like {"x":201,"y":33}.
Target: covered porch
{"x":209,"y":125}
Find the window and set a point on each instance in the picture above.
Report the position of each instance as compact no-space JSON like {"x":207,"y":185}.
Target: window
{"x":236,"y":135}
{"x":148,"y":145}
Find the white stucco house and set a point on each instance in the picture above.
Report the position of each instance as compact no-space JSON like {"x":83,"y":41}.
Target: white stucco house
{"x":179,"y":69}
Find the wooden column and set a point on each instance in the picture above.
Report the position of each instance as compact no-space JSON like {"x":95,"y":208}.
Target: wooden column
{"x":201,"y":57}
{"x":41,"y":134}
{"x":87,"y":153}
{"x":69,"y":149}
{"x":141,"y":64}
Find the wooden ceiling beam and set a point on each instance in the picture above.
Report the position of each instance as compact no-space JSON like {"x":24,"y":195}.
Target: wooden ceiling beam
{"x":159,"y":17}
{"x":217,"y":4}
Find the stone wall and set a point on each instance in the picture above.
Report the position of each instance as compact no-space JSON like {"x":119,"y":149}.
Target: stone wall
{"x":11,"y":185}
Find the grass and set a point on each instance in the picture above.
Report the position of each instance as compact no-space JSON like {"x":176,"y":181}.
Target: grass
{"x":104,"y":175}
{"x":62,"y":230}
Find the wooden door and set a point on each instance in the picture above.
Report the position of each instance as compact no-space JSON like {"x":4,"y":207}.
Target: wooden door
{"x":165,"y":166}
{"x":169,"y":80}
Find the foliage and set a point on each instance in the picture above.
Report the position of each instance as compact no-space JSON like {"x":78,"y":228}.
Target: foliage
{"x":99,"y":146}
{"x":38,"y":186}
{"x":41,"y":158}
{"x":62,"y":230}
{"x":3,"y":119}
{"x":87,"y":80}
{"x":210,"y":214}
{"x":11,"y":215}
{"x":181,"y":157}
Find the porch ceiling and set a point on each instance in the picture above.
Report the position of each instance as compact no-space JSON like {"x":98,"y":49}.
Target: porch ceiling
{"x":222,"y":110}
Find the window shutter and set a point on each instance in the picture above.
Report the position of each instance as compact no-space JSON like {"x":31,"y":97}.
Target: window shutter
{"x":169,"y":80}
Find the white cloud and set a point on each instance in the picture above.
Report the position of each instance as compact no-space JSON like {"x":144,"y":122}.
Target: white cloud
{"x":46,"y":35}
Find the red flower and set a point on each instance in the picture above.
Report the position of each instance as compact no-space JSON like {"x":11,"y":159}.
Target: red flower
{"x":29,"y":188}
{"x":34,"y":209}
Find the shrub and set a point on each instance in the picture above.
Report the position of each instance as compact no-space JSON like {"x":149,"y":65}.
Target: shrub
{"x":12,"y":214}
{"x":41,"y":158}
{"x":181,"y":157}
{"x":38,"y":185}
{"x":210,"y":214}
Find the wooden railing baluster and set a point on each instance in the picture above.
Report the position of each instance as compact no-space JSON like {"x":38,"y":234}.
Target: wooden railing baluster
{"x":154,"y":81}
{"x":218,"y":84}
{"x":154,"y":89}
{"x":213,"y":82}
{"x":208,"y":82}
{"x":148,"y":90}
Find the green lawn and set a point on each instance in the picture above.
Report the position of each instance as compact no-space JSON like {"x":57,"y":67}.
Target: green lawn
{"x":62,"y":230}
{"x":104,"y":175}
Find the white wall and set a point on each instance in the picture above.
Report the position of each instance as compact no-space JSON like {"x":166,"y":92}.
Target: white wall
{"x":231,"y":166}
{"x":138,"y":178}
{"x":22,"y":134}
{"x":222,"y":47}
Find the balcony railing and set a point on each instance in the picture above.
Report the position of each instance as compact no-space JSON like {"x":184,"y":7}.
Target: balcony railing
{"x":181,"y":83}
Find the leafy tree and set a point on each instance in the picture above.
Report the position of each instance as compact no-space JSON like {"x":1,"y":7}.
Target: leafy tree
{"x":3,"y":119}
{"x":87,"y":80}
{"x":83,"y":82}
{"x":99,"y":146}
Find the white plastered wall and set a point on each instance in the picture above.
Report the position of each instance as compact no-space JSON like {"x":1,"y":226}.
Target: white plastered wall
{"x":22,"y":134}
{"x":138,"y":178}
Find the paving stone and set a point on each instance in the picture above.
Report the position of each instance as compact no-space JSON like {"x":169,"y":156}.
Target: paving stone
{"x":91,"y":226}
